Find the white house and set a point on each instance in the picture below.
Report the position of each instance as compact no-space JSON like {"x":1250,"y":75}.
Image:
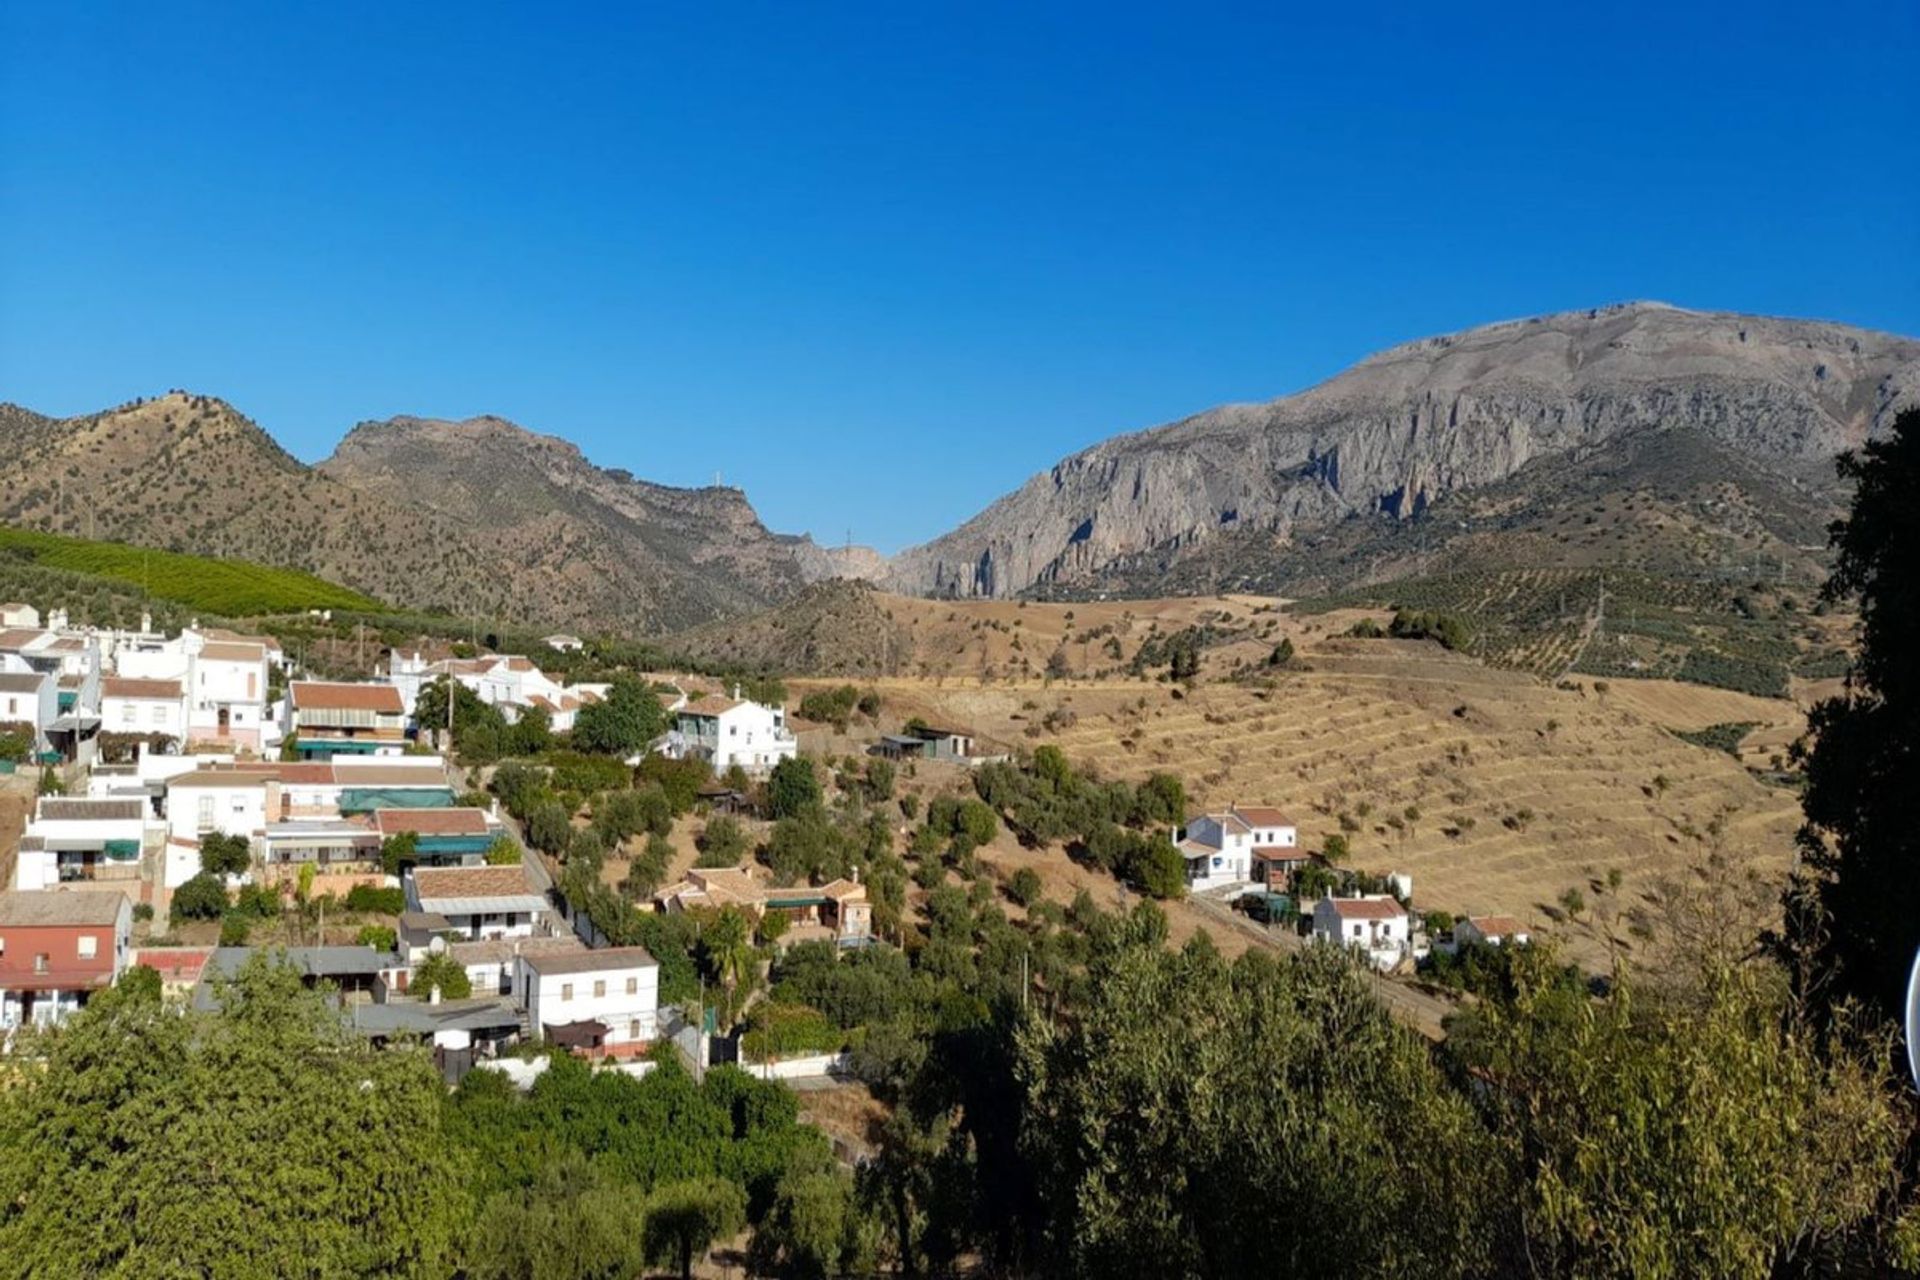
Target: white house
{"x":601,"y":1001}
{"x":82,"y":841}
{"x":1493,"y":930}
{"x":233,"y":802}
{"x":328,"y":719}
{"x":730,"y":731}
{"x":224,"y":683}
{"x":509,"y":682}
{"x":15,"y":614}
{"x":1220,"y":848}
{"x":1373,"y":923}
{"x":131,"y":705}
{"x":479,"y":903}
{"x":561,"y":642}
{"x":30,"y":699}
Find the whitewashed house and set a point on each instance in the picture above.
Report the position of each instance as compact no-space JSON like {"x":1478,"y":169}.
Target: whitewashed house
{"x":1374,"y":924}
{"x":86,"y":843}
{"x":30,"y":700}
{"x":1495,"y":931}
{"x":14,"y":613}
{"x":224,"y":683}
{"x":232,"y":802}
{"x":130,"y":705}
{"x":729,"y":731}
{"x":511,"y":683}
{"x":478,"y":903}
{"x":602,"y":1001}
{"x":1220,"y":849}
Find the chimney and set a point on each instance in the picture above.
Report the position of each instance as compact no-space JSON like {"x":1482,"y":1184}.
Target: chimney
{"x":433,"y":994}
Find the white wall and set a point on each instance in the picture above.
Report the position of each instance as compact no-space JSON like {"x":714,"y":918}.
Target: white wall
{"x":546,"y":999}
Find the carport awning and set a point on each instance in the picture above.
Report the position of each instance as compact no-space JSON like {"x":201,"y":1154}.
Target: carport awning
{"x":368,"y":799}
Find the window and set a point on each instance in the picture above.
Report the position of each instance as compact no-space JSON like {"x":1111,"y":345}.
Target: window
{"x":3,"y":946}
{"x":566,"y":992}
{"x":127,"y":713}
{"x":599,"y":988}
{"x":89,"y":946}
{"x":41,"y":961}
{"x":1356,"y":931}
{"x":206,"y":813}
{"x":633,"y":1029}
{"x":158,"y":715}
{"x":633,"y":986}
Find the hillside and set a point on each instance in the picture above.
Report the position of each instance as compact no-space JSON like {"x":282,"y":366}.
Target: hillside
{"x":478,"y":519}
{"x":225,"y":588}
{"x":1724,"y":424}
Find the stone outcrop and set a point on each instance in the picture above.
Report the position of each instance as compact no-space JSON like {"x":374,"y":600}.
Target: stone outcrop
{"x":1390,"y":435}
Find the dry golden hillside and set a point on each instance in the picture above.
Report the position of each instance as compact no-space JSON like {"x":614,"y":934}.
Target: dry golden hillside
{"x":1495,"y":790}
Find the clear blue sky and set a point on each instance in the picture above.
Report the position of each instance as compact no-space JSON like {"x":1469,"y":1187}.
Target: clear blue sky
{"x":879,"y":263}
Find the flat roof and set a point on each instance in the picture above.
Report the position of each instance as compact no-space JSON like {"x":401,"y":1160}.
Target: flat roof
{"x":590,"y":961}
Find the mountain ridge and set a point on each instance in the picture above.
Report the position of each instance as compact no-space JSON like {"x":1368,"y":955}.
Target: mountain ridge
{"x":1401,"y":428}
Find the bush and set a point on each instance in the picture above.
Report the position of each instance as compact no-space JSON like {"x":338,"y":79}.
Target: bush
{"x":143,"y":911}
{"x":375,"y":900}
{"x":234,"y":927}
{"x":793,"y":789}
{"x":442,"y":971}
{"x":834,"y":706}
{"x":785,"y":1031}
{"x":257,"y":902}
{"x":505,"y":852}
{"x":201,"y":898}
{"x":1025,"y":886}
{"x":380,"y":937}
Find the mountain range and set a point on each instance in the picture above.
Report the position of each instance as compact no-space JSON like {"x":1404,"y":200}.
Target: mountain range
{"x":1476,"y":444}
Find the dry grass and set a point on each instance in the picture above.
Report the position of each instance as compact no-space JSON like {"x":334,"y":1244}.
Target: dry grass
{"x":1521,"y":790}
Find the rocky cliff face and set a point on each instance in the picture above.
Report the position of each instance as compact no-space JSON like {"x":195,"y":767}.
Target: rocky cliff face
{"x":1391,"y":435}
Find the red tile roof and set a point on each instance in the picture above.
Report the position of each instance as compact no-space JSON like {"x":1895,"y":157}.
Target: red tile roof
{"x":129,"y":687}
{"x":1262,"y":816}
{"x":432,"y":822}
{"x":233,"y":651}
{"x":347,"y":697}
{"x":1497,"y":926}
{"x":437,"y":883}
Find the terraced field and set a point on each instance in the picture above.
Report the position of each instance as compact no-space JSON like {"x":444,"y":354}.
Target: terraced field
{"x":1496,"y":791}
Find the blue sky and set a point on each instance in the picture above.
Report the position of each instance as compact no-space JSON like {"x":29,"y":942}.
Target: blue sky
{"x":879,"y":263}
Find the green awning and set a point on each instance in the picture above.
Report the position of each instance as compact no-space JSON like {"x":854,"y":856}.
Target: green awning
{"x":69,"y":699}
{"x":121,"y":850}
{"x":310,"y":747}
{"x":789,"y":904}
{"x":367,"y":799}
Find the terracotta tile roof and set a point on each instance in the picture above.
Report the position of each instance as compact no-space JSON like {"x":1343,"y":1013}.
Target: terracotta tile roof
{"x":1262,"y":816}
{"x":231,"y":651}
{"x":347,"y":697}
{"x":712,"y":704}
{"x":1367,"y":908}
{"x":437,"y":883}
{"x":175,"y":964}
{"x":432,"y":822}
{"x":221,"y":778}
{"x":18,"y":637}
{"x":1497,"y":926}
{"x":129,"y":687}
{"x":311,"y":773}
{"x":240,"y":637}
{"x":57,"y":908}
{"x":20,"y":682}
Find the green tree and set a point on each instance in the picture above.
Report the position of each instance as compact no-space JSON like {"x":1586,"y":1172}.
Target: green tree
{"x":1181,"y":1074}
{"x":225,"y":855}
{"x":441,"y":972}
{"x":575,"y":1223}
{"x":1025,"y":887}
{"x":813,"y":1229}
{"x":722,"y":843}
{"x":685,"y":1218}
{"x":623,"y":722}
{"x":399,"y":851}
{"x":793,"y":789}
{"x":201,"y":898}
{"x":261,"y":1140}
{"x":1648,"y":1122}
{"x":1851,"y":910}
{"x":505,"y":852}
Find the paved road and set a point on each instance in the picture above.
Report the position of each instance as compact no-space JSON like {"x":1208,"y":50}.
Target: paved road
{"x":1423,"y":1012}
